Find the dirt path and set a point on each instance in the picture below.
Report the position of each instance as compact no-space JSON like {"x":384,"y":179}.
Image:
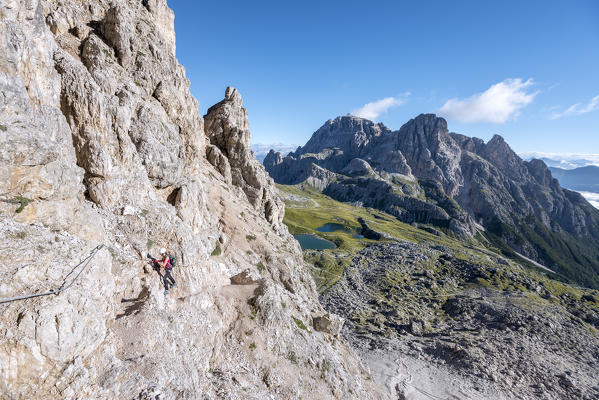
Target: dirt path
{"x":238,"y":292}
{"x":409,"y":378}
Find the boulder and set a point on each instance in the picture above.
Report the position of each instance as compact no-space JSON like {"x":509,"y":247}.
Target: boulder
{"x":244,"y":278}
{"x":328,"y":323}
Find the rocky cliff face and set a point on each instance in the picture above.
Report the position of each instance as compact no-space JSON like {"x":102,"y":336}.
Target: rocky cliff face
{"x":102,"y":143}
{"x":424,"y":174}
{"x":227,"y":127}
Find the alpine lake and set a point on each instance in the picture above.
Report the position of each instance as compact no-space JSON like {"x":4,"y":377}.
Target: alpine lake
{"x":313,"y":242}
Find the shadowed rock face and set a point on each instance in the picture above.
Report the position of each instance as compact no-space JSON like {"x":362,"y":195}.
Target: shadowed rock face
{"x":102,"y":142}
{"x":423,"y":173}
{"x":430,"y":152}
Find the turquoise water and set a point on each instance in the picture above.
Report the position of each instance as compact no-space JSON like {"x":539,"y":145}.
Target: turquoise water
{"x":312,"y":242}
{"x":335,"y":227}
{"x":332,"y":227}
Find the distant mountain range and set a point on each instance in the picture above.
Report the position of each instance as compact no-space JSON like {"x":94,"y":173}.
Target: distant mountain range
{"x":563,"y":160}
{"x":261,"y":150}
{"x":579,"y":179}
{"x":425,"y":175}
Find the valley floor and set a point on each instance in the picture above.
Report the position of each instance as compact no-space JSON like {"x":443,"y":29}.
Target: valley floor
{"x":435,"y":317}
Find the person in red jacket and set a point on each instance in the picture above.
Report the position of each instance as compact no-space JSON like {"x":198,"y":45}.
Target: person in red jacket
{"x":165,"y":262}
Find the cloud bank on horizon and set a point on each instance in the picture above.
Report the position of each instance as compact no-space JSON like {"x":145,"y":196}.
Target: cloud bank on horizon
{"x":578,"y":108}
{"x":563,"y":160}
{"x":261,"y":149}
{"x":592,"y":198}
{"x":373,"y":109}
{"x":498,"y":104}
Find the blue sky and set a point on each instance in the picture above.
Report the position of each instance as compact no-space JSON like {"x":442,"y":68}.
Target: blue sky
{"x":528,"y":70}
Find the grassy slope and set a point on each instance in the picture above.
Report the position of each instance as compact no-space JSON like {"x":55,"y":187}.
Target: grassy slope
{"x":574,"y":260}
{"x":308,"y":209}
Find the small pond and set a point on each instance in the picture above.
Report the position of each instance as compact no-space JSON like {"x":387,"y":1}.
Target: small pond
{"x":313,"y":242}
{"x":333,"y":227}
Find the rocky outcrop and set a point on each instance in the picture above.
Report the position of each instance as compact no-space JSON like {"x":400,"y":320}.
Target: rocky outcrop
{"x":292,"y":170}
{"x":424,"y":174}
{"x":357,"y":167}
{"x":101,"y":142}
{"x":227,"y":128}
{"x":382,"y":167}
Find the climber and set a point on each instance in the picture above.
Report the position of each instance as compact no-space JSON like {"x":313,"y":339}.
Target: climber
{"x":165,"y":262}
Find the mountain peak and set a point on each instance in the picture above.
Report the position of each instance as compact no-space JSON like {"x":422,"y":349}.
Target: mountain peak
{"x":499,"y":153}
{"x":498,"y":140}
{"x":232,"y":95}
{"x":426,"y":124}
{"x":349,"y":120}
{"x":345,"y":132}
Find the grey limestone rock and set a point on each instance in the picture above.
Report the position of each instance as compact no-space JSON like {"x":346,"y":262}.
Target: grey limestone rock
{"x":101,"y":142}
{"x":489,"y":343}
{"x":329,"y":323}
{"x":357,"y":167}
{"x":227,"y":128}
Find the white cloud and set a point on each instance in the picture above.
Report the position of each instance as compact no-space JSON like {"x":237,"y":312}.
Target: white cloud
{"x":261,"y":149}
{"x":498,"y":104}
{"x":372,"y":110}
{"x":563,"y":160}
{"x":592,"y":198}
{"x":577,"y":109}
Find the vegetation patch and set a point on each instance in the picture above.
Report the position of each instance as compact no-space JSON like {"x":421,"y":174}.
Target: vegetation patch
{"x":300,"y":324}
{"x":291,"y":356}
{"x":316,"y":209}
{"x":260,"y":266}
{"x":217,"y":250}
{"x":324,"y":368}
{"x":250,"y":237}
{"x":452,"y":266}
{"x":23,"y":202}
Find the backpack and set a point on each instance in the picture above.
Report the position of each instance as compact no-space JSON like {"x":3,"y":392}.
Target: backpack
{"x":173,"y":261}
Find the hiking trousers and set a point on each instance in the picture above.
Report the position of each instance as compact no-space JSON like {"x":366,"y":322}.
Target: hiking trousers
{"x":168,"y":278}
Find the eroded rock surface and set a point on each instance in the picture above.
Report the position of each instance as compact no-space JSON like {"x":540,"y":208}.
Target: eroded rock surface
{"x":227,"y":127}
{"x":102,"y":143}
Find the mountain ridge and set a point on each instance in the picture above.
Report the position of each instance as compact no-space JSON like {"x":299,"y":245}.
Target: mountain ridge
{"x":424,"y":174}
{"x":580,"y":179}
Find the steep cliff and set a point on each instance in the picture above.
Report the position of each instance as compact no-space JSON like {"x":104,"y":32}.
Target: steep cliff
{"x":424,"y":174}
{"x":102,"y":144}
